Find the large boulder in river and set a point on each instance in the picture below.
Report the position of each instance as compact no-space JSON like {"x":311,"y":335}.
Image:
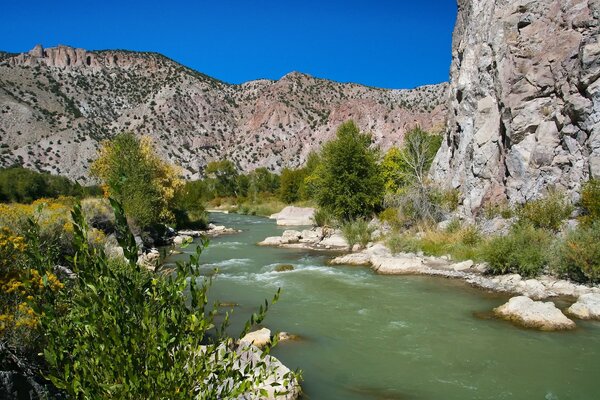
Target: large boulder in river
{"x":259,"y":338}
{"x":534,"y":314}
{"x":586,"y":307}
{"x":291,"y":215}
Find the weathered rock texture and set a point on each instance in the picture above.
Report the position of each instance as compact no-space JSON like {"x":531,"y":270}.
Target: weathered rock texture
{"x":534,"y":314}
{"x":57,"y":104}
{"x":524,"y":102}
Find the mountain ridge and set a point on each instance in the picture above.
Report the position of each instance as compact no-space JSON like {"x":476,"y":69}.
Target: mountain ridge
{"x":57,"y":104}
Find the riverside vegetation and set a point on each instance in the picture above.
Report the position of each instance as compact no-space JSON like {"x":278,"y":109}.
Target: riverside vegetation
{"x":63,"y":324}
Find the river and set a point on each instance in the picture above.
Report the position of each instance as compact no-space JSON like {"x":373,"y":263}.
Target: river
{"x":368,"y":336}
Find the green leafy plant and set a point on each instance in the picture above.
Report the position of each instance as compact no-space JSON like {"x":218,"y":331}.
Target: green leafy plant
{"x":548,"y":212}
{"x":524,"y":250}
{"x":357,"y":231}
{"x":590,"y":201}
{"x":579,"y":254}
{"x":123,"y":332}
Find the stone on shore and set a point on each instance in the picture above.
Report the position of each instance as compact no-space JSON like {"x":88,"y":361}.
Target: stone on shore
{"x":291,"y":215}
{"x":271,"y":241}
{"x":534,"y":314}
{"x":397,"y":265}
{"x":586,"y":307}
{"x":290,"y":236}
{"x":335,"y":240}
{"x":259,"y":338}
{"x":181,"y":239}
{"x":462,"y":266}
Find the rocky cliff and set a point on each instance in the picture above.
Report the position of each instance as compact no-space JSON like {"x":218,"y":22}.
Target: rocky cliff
{"x":57,"y":104}
{"x":524,"y":100}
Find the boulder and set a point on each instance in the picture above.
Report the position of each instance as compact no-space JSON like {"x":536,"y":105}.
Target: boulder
{"x":290,"y":236}
{"x":586,"y":307}
{"x":534,"y":314}
{"x":311,"y":235}
{"x":149,"y":260}
{"x":335,"y":240}
{"x":271,"y":241}
{"x":397,"y":265}
{"x":292,"y":215}
{"x":352,"y":259}
{"x":462,"y":266}
{"x":181,"y":239}
{"x":259,"y":338}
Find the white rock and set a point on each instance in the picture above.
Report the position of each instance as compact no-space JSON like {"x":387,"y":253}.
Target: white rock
{"x":462,"y":266}
{"x":534,"y":314}
{"x":271,"y":241}
{"x":586,"y":307}
{"x":291,"y":215}
{"x":397,"y":265}
{"x":181,"y":239}
{"x":352,"y":259}
{"x":335,"y":240}
{"x":259,"y":338}
{"x":290,"y":236}
{"x":534,"y":289}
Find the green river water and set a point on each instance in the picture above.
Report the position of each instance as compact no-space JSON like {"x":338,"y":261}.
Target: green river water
{"x":366,"y":336}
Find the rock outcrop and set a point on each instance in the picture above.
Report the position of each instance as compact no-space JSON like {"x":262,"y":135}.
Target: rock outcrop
{"x":294,"y":216}
{"x":524,"y":100}
{"x":57,"y":104}
{"x":534,"y":314}
{"x":586,"y":307}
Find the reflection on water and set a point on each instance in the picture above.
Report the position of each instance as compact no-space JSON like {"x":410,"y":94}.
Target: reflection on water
{"x":365,"y":336}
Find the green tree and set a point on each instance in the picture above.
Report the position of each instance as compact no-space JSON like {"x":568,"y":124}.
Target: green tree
{"x":224,"y":177}
{"x":133,"y":174}
{"x":348,"y":181}
{"x":290,"y":184}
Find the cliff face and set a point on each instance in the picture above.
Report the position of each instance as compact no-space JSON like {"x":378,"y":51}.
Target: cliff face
{"x":524,"y":100}
{"x":57,"y":104}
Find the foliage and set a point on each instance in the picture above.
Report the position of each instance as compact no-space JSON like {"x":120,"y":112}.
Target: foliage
{"x":402,"y":243}
{"x":417,"y":204}
{"x":291,"y":183}
{"x":410,"y":164}
{"x":579,"y":254}
{"x":223,"y":178}
{"x":21,"y":185}
{"x":322,"y":217}
{"x":546,"y":213}
{"x":391,"y":216}
{"x":590,"y":201}
{"x":264,"y":205}
{"x":161,"y":342}
{"x":524,"y":250}
{"x":188,"y":205}
{"x":357,"y":231}
{"x":347,"y":182}
{"x":133,"y":174}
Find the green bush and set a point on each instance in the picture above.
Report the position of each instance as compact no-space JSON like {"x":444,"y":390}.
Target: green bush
{"x":590,"y":201}
{"x":524,"y":250}
{"x":546,"y":213}
{"x":579,"y":254}
{"x":357,"y":231}
{"x":123,"y":332}
{"x":398,"y":243}
{"x":322,"y":217}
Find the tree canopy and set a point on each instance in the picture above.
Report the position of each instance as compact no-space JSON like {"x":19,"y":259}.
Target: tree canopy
{"x":347,"y":182}
{"x":133,"y":174}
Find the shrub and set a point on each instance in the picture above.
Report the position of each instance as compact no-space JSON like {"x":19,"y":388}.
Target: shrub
{"x":548,"y":212}
{"x":391,"y":216}
{"x":357,"y":231}
{"x":160,"y":342}
{"x":579,"y":254}
{"x":322,"y":217}
{"x":398,"y":243}
{"x":590,"y":200}
{"x":418,"y":204}
{"x":524,"y":251}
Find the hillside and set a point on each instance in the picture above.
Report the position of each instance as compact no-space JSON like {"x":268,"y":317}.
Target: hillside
{"x":58,"y":104}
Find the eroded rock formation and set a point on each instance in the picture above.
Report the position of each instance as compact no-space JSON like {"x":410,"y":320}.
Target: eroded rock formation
{"x":524,"y":101}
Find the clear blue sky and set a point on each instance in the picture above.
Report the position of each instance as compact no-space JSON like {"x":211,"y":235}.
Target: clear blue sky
{"x":383,"y":43}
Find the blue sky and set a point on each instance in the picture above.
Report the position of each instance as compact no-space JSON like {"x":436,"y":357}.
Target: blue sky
{"x":382,"y":43}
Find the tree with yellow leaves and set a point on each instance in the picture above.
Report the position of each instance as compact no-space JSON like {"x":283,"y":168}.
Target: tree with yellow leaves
{"x":133,"y":174}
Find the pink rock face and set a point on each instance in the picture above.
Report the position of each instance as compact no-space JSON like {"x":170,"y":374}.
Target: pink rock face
{"x":524,"y":100}
{"x":193,"y":119}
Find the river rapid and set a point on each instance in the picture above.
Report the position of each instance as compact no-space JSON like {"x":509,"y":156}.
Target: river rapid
{"x":368,"y":336}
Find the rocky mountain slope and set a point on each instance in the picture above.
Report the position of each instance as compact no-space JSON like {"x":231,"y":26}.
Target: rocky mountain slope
{"x":524,"y":108}
{"x":58,"y":104}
